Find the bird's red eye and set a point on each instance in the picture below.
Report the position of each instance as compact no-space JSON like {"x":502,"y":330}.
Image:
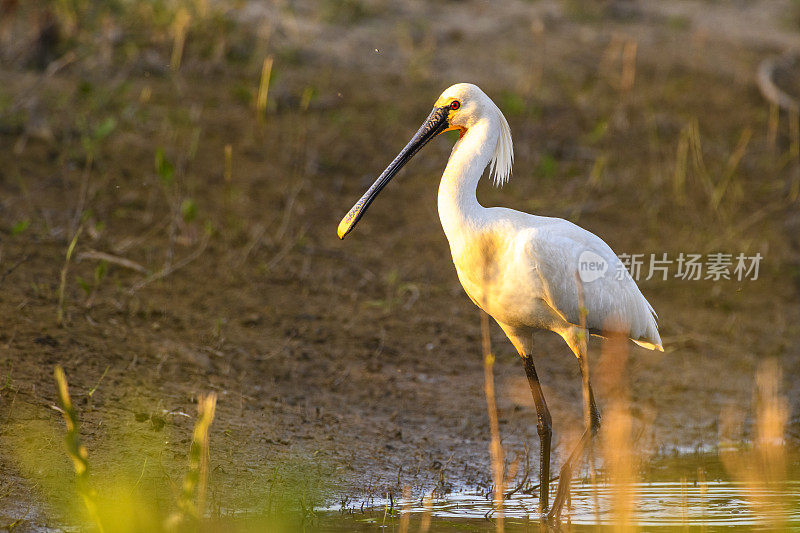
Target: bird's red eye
{"x":455,"y":104}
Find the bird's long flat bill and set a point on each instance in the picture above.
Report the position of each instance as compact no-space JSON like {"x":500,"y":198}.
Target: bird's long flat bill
{"x":435,"y":124}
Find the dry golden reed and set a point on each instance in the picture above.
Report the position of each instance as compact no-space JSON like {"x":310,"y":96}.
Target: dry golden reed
{"x":228,"y":173}
{"x":628,"y":65}
{"x":617,"y":435}
{"x":191,"y":502}
{"x":681,"y":158}
{"x":425,"y":522}
{"x":180,"y":26}
{"x":794,"y":134}
{"x":495,"y":448}
{"x":405,"y":516}
{"x":764,"y":466}
{"x":772,"y":126}
{"x":75,"y":448}
{"x":263,"y":90}
{"x":730,"y":171}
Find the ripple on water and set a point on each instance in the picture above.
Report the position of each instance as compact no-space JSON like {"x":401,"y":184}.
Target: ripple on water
{"x":658,"y":504}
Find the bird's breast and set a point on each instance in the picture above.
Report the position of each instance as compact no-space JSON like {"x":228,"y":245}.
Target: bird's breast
{"x":498,"y":276}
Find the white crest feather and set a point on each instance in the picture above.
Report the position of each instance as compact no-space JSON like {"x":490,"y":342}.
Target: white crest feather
{"x":503,"y":156}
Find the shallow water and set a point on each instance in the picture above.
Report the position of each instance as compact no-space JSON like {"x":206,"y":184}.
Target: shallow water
{"x":712,"y":505}
{"x":660,"y":503}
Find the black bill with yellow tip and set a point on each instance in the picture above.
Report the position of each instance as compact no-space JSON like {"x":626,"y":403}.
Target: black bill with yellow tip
{"x":435,"y":124}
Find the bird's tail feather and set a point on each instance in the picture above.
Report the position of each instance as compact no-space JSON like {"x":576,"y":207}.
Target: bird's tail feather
{"x":649,"y":345}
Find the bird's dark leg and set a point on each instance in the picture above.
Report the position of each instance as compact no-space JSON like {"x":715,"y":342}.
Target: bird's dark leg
{"x":565,"y":475}
{"x":594,"y":412}
{"x":544,"y":427}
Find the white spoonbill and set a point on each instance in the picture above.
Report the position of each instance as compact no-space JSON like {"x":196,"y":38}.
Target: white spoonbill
{"x":519,"y":268}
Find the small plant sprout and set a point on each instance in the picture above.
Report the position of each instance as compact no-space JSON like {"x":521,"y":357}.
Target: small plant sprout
{"x":64,"y":270}
{"x":164,"y":168}
{"x":305,"y":99}
{"x":99,"y":381}
{"x":20,"y":227}
{"x":90,"y":287}
{"x":188,"y":210}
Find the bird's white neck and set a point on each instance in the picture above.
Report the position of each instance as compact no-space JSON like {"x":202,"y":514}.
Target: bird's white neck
{"x":459,"y":210}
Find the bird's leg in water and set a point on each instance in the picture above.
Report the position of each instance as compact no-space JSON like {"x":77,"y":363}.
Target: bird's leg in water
{"x":565,"y":475}
{"x":545,"y":430}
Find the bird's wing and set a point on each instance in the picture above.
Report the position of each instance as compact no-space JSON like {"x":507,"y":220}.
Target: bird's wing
{"x":562,"y":252}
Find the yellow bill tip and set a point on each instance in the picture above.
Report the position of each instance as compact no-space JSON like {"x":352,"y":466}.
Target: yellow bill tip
{"x":344,"y":228}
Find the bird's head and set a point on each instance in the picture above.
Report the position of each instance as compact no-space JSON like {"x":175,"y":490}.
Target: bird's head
{"x":465,"y":104}
{"x":459,"y":107}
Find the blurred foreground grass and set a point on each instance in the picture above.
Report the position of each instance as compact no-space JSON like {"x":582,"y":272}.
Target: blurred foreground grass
{"x":108,"y":499}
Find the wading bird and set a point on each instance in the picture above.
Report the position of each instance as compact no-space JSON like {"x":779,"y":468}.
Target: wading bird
{"x":527,"y":272}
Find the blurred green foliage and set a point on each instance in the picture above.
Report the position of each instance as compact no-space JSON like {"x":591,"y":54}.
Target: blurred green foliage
{"x":164,"y":168}
{"x":547,"y":167}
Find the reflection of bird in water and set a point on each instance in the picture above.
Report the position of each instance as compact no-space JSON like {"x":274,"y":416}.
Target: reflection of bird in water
{"x":522,"y":269}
